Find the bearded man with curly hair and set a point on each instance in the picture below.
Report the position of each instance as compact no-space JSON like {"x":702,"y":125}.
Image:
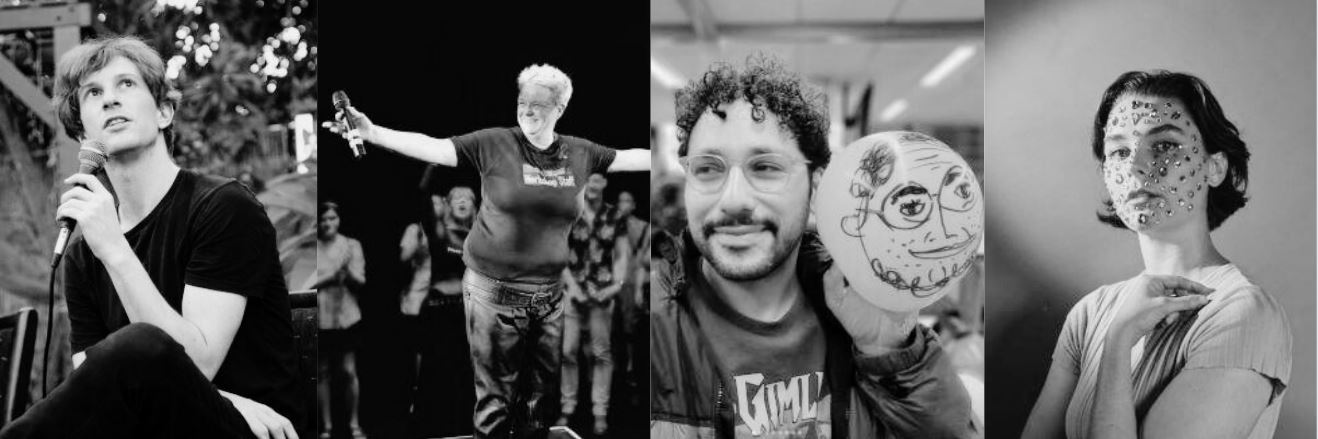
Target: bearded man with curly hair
{"x":752,"y":332}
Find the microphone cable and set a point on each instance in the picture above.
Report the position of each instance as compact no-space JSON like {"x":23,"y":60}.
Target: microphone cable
{"x":50,"y":325}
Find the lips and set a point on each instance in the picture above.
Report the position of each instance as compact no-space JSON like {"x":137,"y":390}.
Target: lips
{"x":115,"y":121}
{"x":946,"y":250}
{"x":1141,"y":196}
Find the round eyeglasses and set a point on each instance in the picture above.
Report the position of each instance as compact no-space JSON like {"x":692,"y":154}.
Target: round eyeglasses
{"x":768,"y":173}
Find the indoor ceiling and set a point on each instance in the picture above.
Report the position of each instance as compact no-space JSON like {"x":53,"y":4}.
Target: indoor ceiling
{"x":889,"y":43}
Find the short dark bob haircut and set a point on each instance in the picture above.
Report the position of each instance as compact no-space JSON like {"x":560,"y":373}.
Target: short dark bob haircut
{"x":1219,"y":135}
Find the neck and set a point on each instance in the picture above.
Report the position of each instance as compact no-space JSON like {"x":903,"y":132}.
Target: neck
{"x":593,"y":205}
{"x":543,"y":139}
{"x":141,"y":177}
{"x":766,"y":299}
{"x":453,"y":222}
{"x":1177,"y":251}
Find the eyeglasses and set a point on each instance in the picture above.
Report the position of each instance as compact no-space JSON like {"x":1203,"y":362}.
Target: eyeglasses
{"x":539,"y":107}
{"x":768,"y":173}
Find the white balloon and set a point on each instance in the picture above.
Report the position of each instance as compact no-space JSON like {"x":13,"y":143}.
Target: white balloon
{"x":902,"y":214}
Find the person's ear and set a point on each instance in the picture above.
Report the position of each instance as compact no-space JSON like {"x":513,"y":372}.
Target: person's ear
{"x":1217,"y":168}
{"x":165,"y":114}
{"x":815,"y":177}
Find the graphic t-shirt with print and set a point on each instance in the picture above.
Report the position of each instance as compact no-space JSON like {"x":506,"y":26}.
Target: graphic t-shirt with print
{"x":775,"y":369}
{"x":530,"y":200}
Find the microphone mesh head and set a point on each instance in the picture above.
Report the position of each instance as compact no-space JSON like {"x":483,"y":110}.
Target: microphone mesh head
{"x":340,"y":99}
{"x":91,"y":156}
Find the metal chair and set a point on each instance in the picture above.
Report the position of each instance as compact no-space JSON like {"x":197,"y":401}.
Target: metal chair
{"x":18,"y":336}
{"x":305,"y":328}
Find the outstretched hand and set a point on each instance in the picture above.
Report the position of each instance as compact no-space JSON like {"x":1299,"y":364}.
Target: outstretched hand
{"x":365,"y":129}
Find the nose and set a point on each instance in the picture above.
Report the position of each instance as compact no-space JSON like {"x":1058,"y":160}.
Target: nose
{"x":1144,"y":164}
{"x":109,"y":98}
{"x":737,"y":195}
{"x":937,"y":216}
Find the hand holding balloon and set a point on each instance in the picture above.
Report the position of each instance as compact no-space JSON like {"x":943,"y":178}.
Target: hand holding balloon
{"x":902,"y":215}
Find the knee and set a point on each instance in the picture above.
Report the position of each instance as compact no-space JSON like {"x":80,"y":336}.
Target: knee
{"x":140,"y":343}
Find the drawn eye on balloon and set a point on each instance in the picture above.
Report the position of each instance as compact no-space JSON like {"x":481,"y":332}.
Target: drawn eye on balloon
{"x":901,"y":214}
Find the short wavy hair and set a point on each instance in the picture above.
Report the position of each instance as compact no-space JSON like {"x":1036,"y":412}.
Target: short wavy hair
{"x":1219,"y":135}
{"x":92,"y":56}
{"x":801,"y":109}
{"x":549,"y":77}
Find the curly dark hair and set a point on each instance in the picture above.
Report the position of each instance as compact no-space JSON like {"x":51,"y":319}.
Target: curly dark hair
{"x":767,"y":86}
{"x":1219,"y":134}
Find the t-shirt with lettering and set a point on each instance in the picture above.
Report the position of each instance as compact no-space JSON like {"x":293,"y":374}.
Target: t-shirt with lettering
{"x":775,"y":369}
{"x":209,"y":232}
{"x":530,"y":200}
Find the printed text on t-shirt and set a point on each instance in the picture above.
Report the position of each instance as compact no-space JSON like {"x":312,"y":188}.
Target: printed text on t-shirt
{"x":560,"y":177}
{"x":788,"y":404}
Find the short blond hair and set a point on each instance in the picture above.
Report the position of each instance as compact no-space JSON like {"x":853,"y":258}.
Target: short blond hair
{"x":549,"y":77}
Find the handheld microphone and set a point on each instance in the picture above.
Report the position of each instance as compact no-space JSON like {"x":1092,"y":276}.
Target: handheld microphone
{"x":91,"y":157}
{"x":341,"y":103}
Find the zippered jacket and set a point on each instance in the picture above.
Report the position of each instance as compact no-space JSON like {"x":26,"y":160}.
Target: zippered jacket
{"x":911,"y":392}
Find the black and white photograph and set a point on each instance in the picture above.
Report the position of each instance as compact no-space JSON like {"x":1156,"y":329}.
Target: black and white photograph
{"x":158,"y":178}
{"x":1152,"y":218}
{"x":478,"y":242}
{"x":817,"y":269}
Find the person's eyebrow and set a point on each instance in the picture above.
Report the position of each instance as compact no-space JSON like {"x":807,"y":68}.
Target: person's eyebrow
{"x":88,"y":83}
{"x":1114,"y":137}
{"x":908,"y":190}
{"x":951,"y":175}
{"x":1164,"y":128}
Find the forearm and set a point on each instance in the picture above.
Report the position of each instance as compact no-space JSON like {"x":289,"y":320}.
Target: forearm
{"x":143,"y":303}
{"x":415,"y":145}
{"x":620,"y":270}
{"x":631,"y":160}
{"x":1113,"y":413}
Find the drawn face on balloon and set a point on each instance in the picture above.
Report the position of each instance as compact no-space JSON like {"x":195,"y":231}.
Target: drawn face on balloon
{"x":1155,"y":166}
{"x":918,"y":212}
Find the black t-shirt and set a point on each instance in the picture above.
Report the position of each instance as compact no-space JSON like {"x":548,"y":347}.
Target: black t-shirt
{"x":529,"y":202}
{"x":775,"y":369}
{"x":212,"y":233}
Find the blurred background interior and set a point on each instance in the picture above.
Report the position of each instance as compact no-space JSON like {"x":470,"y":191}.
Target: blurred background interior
{"x":884,"y":65}
{"x":246,"y":71}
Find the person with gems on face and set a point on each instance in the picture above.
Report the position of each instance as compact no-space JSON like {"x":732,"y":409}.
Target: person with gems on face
{"x":752,"y":331}
{"x":178,"y":312}
{"x":1190,"y":347}
{"x":339,"y":280}
{"x":531,"y":181}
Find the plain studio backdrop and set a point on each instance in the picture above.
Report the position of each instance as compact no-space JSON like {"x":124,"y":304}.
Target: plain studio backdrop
{"x":1048,"y":64}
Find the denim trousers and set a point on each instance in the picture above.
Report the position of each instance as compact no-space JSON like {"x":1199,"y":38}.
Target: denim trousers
{"x":598,"y":318}
{"x":515,"y":330}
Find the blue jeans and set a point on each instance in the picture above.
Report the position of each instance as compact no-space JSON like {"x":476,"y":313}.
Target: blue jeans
{"x":515,"y":330}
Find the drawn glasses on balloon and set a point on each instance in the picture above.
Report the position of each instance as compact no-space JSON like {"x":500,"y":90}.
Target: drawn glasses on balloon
{"x":913,"y":208}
